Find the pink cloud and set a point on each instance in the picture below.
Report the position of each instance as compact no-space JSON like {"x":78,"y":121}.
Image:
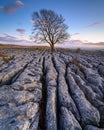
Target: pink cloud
{"x":19,"y":3}
{"x":21,"y":31}
{"x":76,"y":34}
{"x":9,"y":39}
{"x":12,"y":7}
{"x":7,"y":35}
{"x":96,"y":24}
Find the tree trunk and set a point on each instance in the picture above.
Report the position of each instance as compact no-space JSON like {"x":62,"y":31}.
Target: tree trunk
{"x":52,"y":48}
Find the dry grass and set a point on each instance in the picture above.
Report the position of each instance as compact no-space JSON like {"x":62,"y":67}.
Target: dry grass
{"x":75,"y":62}
{"x":2,"y":54}
{"x":5,"y":59}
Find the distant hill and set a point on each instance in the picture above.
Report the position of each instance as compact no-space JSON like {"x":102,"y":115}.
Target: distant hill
{"x":45,"y":47}
{"x":19,"y":46}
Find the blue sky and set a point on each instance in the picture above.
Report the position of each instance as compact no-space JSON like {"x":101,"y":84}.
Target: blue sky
{"x":85,"y":18}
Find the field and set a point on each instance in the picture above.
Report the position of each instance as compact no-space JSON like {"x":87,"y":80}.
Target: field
{"x":44,"y":91}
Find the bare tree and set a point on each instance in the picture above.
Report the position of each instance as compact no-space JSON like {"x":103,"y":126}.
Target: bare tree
{"x":49,"y":27}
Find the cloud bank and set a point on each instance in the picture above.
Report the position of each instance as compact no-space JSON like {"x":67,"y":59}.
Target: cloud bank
{"x":21,"y":31}
{"x":8,"y":39}
{"x":12,"y":7}
{"x":75,"y":34}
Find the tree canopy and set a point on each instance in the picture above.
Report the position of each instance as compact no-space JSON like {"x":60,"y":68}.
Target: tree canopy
{"x":49,"y":27}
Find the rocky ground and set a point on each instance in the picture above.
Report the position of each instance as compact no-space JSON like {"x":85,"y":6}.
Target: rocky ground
{"x":44,"y":91}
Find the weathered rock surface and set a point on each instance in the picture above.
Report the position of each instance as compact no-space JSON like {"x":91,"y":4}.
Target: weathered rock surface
{"x":51,"y":83}
{"x":68,"y":121}
{"x":89,"y":114}
{"x":21,"y":97}
{"x":44,"y":91}
{"x":90,"y":127}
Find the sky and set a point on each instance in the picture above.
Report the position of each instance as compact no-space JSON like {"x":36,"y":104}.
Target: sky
{"x":85,"y":19}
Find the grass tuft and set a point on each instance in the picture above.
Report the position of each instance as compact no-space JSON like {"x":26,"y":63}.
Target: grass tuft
{"x":5,"y":59}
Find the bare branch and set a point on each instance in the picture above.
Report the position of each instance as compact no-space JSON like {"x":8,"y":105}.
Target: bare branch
{"x":49,"y":27}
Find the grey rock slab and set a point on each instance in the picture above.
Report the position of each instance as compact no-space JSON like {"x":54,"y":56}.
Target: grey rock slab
{"x":9,"y":72}
{"x":51,"y":74}
{"x":35,"y":123}
{"x":32,"y":86}
{"x":21,"y":97}
{"x":101,"y":69}
{"x":89,"y":114}
{"x":92,"y":76}
{"x":28,"y":86}
{"x":68,"y":121}
{"x":25,"y":78}
{"x":74,"y":68}
{"x":91,"y":96}
{"x":29,"y":109}
{"x":60,"y":65}
{"x":6,"y":112}
{"x":65,"y":98}
{"x":97,"y":89}
{"x":89,"y":93}
{"x":4,"y":66}
{"x":85,"y":63}
{"x":51,"y":77}
{"x":50,"y":80}
{"x":90,"y":127}
{"x":51,"y":121}
{"x":6,"y":95}
{"x":18,"y":125}
{"x":37,"y":95}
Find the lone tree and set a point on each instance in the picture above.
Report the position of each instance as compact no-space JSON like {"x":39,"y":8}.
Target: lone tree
{"x":49,"y":27}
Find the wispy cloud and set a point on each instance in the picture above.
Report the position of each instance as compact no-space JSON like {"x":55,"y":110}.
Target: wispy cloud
{"x":95,"y":44}
{"x":96,"y":24}
{"x":8,"y":39}
{"x":19,"y":3}
{"x":7,"y":36}
{"x":75,"y":42}
{"x":74,"y":34}
{"x":12,"y":7}
{"x":21,"y":31}
{"x":83,"y":45}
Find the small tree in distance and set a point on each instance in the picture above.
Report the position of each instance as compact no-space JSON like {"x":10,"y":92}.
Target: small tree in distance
{"x":49,"y":27}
